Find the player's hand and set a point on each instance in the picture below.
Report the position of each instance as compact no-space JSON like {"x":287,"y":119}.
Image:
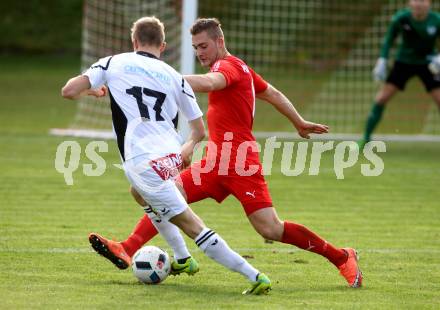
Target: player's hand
{"x":98,"y":92}
{"x":187,"y":153}
{"x":380,"y":70}
{"x":306,"y":128}
{"x":434,"y":65}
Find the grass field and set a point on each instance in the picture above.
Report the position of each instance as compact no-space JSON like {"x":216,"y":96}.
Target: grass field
{"x":46,"y":262}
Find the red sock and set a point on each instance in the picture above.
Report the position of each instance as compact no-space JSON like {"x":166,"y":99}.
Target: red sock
{"x":142,"y":233}
{"x":303,"y":238}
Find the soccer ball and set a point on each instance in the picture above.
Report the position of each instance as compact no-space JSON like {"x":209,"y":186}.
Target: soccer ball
{"x":151,"y":265}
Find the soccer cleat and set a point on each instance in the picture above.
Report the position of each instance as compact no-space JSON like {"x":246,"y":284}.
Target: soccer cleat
{"x":350,"y":269}
{"x":111,"y":250}
{"x":259,"y":287}
{"x":190,"y":267}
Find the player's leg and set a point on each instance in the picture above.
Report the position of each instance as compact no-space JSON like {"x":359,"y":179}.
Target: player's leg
{"x":144,"y":230}
{"x":435,"y":94}
{"x":253,"y":193}
{"x":399,"y":75}
{"x":431,"y":82}
{"x":267,"y":224}
{"x":171,"y":234}
{"x":207,"y":240}
{"x":174,"y":208}
{"x":145,"y":184}
{"x":168,"y":207}
{"x":158,"y":196}
{"x":120,"y":253}
{"x":111,"y":250}
{"x":218,"y":250}
{"x":386,"y":92}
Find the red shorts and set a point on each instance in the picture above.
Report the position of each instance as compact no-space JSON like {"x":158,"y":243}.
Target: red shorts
{"x":251,"y":191}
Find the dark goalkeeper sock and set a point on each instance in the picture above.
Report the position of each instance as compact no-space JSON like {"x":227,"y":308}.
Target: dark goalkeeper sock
{"x":373,"y":119}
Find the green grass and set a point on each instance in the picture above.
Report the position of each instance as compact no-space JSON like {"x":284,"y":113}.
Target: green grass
{"x":46,"y":261}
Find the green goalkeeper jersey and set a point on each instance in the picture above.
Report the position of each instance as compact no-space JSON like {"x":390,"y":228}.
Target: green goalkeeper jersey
{"x":418,"y":38}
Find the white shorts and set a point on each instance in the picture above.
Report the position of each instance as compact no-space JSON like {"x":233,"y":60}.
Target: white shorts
{"x":154,"y":181}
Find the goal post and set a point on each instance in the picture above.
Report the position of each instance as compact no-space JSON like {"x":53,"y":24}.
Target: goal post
{"x":187,"y":59}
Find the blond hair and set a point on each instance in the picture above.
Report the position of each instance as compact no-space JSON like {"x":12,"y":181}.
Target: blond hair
{"x":149,"y":31}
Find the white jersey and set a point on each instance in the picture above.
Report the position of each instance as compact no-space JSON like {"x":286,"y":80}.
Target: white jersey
{"x":146,"y":95}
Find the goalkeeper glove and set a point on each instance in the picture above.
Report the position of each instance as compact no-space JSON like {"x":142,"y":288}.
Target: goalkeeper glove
{"x":380,"y":69}
{"x":434,"y":65}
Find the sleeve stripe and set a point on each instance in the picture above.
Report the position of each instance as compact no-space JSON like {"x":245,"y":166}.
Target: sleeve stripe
{"x":106,"y":66}
{"x":183,"y":89}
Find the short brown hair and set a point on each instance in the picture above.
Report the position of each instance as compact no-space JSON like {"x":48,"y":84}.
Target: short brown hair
{"x":211,"y":25}
{"x":148,"y":30}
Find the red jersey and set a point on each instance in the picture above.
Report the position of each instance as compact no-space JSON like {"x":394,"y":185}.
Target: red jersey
{"x":232,"y":109}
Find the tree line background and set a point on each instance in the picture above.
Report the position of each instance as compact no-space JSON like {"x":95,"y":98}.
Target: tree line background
{"x":40,"y":27}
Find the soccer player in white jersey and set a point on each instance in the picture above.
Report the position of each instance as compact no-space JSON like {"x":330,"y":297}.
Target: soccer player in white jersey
{"x":146,"y":95}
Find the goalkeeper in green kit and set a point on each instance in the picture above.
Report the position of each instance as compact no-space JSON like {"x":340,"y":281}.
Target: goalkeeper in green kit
{"x":419,"y":28}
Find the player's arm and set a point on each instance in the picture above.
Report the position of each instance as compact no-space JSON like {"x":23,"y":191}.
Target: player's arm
{"x":190,"y":109}
{"x":203,"y":83}
{"x":434,"y":65}
{"x":380,"y":69}
{"x":196,"y":135}
{"x":390,"y":36}
{"x":285,"y":107}
{"x":80,"y":86}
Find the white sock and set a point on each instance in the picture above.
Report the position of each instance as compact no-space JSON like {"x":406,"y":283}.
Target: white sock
{"x":170,"y":233}
{"x":217,"y":249}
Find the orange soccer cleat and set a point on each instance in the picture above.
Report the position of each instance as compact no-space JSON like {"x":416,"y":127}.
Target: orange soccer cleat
{"x":350,"y":269}
{"x":111,"y":250}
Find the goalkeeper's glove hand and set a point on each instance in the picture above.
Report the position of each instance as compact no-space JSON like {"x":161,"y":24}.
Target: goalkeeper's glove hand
{"x":434,"y":65}
{"x":380,"y":69}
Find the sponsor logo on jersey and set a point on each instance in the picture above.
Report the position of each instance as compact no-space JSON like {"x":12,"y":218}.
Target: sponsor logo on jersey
{"x":131,"y":69}
{"x":168,"y":166}
{"x":245,"y":68}
{"x":216,"y":66}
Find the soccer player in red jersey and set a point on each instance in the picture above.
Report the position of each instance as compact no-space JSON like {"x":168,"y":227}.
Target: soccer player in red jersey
{"x":232,"y":165}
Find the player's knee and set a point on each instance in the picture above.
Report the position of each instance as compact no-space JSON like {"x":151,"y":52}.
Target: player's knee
{"x":272,"y":231}
{"x":189,"y":223}
{"x":386,"y":93}
{"x":382,"y":99}
{"x":266,"y":234}
{"x":437,"y":100}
